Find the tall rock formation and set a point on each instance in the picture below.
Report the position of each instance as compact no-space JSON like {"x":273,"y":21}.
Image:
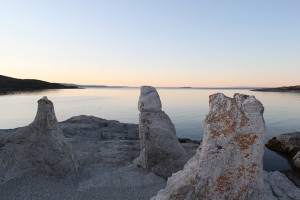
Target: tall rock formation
{"x":160,"y":150}
{"x":39,"y":147}
{"x":229,"y":166}
{"x":50,"y":152}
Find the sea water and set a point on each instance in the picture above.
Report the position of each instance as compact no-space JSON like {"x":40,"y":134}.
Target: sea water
{"x":187,"y":108}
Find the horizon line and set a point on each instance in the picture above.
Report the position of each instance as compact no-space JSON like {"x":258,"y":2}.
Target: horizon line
{"x":171,"y":87}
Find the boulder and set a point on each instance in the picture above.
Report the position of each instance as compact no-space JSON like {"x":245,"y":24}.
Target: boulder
{"x":88,"y":127}
{"x":39,"y":147}
{"x":288,"y":144}
{"x":187,"y":140}
{"x":296,"y":160}
{"x":278,"y":186}
{"x":161,"y":151}
{"x":229,"y":165}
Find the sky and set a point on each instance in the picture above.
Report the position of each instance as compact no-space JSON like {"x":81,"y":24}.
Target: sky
{"x":212,"y":43}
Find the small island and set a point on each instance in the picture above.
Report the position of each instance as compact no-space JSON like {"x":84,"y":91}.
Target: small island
{"x":9,"y":84}
{"x":295,"y":88}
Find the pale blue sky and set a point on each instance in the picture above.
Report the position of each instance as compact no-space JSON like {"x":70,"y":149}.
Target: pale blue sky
{"x":157,"y":42}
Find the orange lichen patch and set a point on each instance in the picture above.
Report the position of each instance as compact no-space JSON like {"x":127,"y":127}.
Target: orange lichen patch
{"x":254,"y":164}
{"x":230,"y":128}
{"x":225,"y":130}
{"x":222,"y":182}
{"x":252,"y":169}
{"x":245,"y":140}
{"x":225,"y":113}
{"x":246,"y":155}
{"x":243,"y":121}
{"x":240,"y":171}
{"x":241,"y":193}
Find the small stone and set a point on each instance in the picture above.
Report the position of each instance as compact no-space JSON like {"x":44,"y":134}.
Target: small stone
{"x":296,"y":160}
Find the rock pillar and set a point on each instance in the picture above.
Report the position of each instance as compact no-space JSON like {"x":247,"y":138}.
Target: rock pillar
{"x":160,"y":150}
{"x":49,"y":150}
{"x":230,"y":163}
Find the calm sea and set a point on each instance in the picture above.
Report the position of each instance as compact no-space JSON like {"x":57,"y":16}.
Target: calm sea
{"x":186,"y":107}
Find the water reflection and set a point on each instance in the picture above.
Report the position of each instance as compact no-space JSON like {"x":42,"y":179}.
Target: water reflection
{"x":186,"y":107}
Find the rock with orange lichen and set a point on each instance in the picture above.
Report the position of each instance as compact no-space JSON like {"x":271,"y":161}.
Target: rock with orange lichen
{"x":229,"y":165}
{"x":161,"y":151}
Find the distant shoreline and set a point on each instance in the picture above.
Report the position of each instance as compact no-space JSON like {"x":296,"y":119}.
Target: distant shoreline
{"x":279,"y":89}
{"x":187,"y":88}
{"x":14,"y":85}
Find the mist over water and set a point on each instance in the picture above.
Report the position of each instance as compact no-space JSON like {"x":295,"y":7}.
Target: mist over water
{"x":187,"y":109}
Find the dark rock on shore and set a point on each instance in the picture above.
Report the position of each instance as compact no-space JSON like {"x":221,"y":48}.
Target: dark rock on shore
{"x":295,"y":88}
{"x":187,"y":140}
{"x":288,"y":144}
{"x":8,"y":84}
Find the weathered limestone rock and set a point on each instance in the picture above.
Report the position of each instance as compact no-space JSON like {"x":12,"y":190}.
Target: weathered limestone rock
{"x":229,"y":165}
{"x":49,"y":150}
{"x":88,"y":127}
{"x":278,"y":186}
{"x":40,"y":147}
{"x":160,"y":150}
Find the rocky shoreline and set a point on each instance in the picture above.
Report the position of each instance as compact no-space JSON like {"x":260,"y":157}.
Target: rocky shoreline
{"x":295,"y":88}
{"x":288,"y":145}
{"x":105,"y":150}
{"x":13,"y":85}
{"x":86,"y":157}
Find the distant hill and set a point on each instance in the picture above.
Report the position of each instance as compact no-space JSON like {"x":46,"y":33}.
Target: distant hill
{"x":8,"y":84}
{"x":295,"y":88}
